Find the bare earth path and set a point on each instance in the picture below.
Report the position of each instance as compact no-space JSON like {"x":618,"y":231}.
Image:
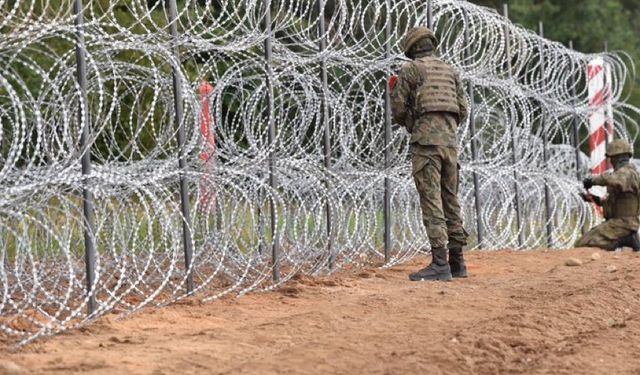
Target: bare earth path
{"x":520,"y":312}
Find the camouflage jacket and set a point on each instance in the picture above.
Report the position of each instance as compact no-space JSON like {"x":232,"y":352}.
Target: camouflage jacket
{"x":623,"y":192}
{"x":440,"y":133}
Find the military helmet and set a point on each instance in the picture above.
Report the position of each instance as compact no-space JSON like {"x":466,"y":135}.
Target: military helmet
{"x":618,"y":147}
{"x":416,"y":34}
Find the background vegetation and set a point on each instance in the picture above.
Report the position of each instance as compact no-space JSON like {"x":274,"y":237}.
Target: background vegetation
{"x":590,"y":24}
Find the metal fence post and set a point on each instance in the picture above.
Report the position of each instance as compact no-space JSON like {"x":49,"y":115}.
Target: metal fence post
{"x":576,"y":133}
{"x":85,"y":146}
{"x":326,"y":125}
{"x":472,"y":134}
{"x":514,"y":142}
{"x":430,"y":14}
{"x":179,"y":111}
{"x":545,"y":150}
{"x":275,"y":251}
{"x":261,"y":223}
{"x":576,"y":139}
{"x":387,"y":142}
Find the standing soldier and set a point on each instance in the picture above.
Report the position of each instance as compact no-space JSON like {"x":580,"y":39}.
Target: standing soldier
{"x":621,"y":206}
{"x":428,"y":99}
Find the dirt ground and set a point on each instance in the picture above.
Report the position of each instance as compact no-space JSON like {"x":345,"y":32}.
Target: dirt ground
{"x":519,"y":312}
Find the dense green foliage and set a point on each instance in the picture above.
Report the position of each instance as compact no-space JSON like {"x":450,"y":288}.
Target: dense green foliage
{"x":590,"y":24}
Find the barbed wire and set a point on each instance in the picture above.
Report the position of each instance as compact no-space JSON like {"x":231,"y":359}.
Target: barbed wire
{"x":527,"y":89}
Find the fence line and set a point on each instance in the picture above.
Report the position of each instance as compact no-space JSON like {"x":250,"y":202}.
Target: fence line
{"x":300,"y":99}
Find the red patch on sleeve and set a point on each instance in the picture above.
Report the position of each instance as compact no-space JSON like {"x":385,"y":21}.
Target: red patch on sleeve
{"x":392,"y":81}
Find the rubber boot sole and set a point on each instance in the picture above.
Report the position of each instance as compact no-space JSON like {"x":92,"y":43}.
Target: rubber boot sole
{"x":447,"y":277}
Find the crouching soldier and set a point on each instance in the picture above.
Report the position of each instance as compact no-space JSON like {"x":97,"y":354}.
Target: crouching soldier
{"x":621,"y":206}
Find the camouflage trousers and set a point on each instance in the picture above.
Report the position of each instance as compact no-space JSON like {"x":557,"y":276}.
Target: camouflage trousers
{"x":435,"y":173}
{"x":607,"y":234}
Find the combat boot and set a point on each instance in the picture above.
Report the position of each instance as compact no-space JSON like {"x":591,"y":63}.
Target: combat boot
{"x":456,"y":263}
{"x":632,"y":241}
{"x":437,"y":270}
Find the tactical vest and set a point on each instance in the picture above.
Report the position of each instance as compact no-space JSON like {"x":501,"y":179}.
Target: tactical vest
{"x":438,"y":92}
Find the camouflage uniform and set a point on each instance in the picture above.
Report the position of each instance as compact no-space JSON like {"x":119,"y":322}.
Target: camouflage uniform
{"x":433,"y":144}
{"x":621,"y":209}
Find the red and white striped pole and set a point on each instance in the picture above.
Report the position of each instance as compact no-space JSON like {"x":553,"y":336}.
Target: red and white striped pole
{"x":608,"y":103}
{"x":208,"y":149}
{"x":600,"y":118}
{"x":392,"y":82}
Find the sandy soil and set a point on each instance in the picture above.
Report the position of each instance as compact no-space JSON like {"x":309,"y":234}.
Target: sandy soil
{"x":519,"y":312}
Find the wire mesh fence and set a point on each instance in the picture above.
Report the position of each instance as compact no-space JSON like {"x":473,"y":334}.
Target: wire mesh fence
{"x":153,"y":150}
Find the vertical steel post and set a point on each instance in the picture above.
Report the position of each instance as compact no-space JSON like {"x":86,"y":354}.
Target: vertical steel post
{"x":545,"y":149}
{"x":430,"y":14}
{"x":326,"y":125}
{"x":576,"y":139}
{"x":3,"y":245}
{"x":472,"y":134}
{"x":261,"y":224}
{"x":179,"y":123}
{"x":85,"y":146}
{"x":387,"y":141}
{"x":275,"y":250}
{"x":575,"y":124}
{"x":514,"y":141}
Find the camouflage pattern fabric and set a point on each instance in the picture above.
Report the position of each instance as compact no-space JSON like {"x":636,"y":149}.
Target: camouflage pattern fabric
{"x":441,"y":133}
{"x":606,"y":235}
{"x":434,"y":156}
{"x":435,"y":129}
{"x":623,"y":188}
{"x":435,"y":173}
{"x":621,"y":208}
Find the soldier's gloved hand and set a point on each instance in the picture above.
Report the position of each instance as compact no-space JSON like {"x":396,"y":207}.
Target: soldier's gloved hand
{"x":587,"y":183}
{"x":596,"y":199}
{"x":591,"y":198}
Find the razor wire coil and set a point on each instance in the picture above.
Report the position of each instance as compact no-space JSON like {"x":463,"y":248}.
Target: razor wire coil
{"x":527,"y":89}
